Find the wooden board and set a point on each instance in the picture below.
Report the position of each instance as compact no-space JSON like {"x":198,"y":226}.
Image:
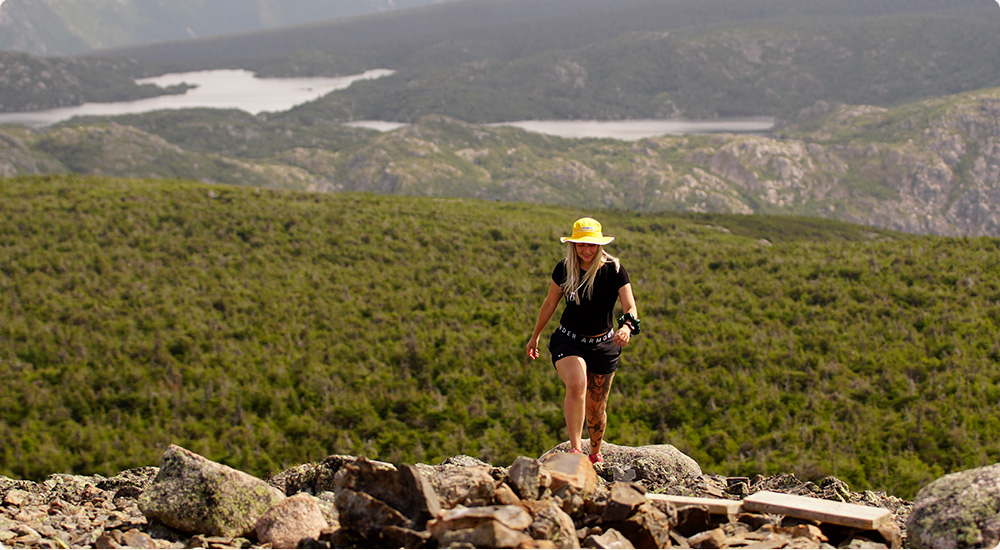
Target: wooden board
{"x":719,"y":506}
{"x":817,"y":509}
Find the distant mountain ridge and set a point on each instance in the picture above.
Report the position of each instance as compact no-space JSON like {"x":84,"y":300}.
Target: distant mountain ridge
{"x":889,"y":101}
{"x":60,"y":27}
{"x":928,"y":167}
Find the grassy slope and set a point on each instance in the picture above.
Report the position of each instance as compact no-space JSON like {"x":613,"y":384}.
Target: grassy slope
{"x":266,"y":328}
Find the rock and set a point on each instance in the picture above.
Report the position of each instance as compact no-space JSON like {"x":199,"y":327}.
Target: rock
{"x":649,"y":464}
{"x":489,"y":534}
{"x":383,"y":504}
{"x":716,"y":538}
{"x":550,"y":522}
{"x":648,"y":527}
{"x":197,"y":496}
{"x":135,"y":539}
{"x":404,"y":489}
{"x":291,"y":520}
{"x":128,"y":484}
{"x":609,"y":539}
{"x":367,"y":516}
{"x":526,"y":477}
{"x":624,"y":499}
{"x":809,"y":531}
{"x":326,"y":471}
{"x":960,"y":510}
{"x":570,"y":471}
{"x":454,"y":485}
{"x":298,"y":479}
{"x":505,"y":495}
{"x":16,"y":497}
{"x":482,"y":527}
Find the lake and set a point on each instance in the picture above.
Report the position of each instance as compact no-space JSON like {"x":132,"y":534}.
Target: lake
{"x":631,"y":130}
{"x":238,"y":89}
{"x":626,"y":130}
{"x":217,"y":89}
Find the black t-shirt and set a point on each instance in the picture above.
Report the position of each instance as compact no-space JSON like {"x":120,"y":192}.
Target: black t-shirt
{"x":592,"y":317}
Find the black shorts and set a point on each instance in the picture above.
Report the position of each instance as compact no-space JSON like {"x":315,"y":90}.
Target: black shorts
{"x":599,"y":353}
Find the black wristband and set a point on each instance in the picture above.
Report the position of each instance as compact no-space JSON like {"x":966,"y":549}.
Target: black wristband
{"x":630,"y":320}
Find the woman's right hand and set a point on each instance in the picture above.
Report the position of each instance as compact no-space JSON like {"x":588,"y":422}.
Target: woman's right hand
{"x":533,"y":349}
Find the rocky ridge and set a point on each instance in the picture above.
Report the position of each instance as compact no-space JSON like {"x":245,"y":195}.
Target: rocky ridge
{"x":556,"y":501}
{"x":930,"y":167}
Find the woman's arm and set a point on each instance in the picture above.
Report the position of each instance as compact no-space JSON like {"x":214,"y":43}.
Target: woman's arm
{"x":544,"y":316}
{"x":627,"y":300}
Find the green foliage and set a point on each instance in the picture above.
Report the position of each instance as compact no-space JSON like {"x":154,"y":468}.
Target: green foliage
{"x":269,"y":328}
{"x":30,"y":83}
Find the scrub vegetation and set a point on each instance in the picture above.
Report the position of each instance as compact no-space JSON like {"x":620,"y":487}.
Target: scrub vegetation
{"x":267,"y":328}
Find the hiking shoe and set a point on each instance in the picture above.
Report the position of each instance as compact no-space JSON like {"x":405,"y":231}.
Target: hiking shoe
{"x":596,"y":457}
{"x":575,"y":451}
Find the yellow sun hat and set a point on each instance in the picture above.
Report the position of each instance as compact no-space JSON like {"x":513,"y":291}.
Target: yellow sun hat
{"x":587,"y":230}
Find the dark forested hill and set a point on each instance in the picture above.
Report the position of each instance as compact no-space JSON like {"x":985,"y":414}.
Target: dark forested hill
{"x":497,"y":60}
{"x":269,"y":328}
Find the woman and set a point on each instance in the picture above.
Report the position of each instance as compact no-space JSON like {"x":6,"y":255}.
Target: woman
{"x":584,"y":348}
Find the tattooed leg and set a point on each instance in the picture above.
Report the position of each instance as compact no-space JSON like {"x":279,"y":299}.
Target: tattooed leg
{"x":598,"y":388}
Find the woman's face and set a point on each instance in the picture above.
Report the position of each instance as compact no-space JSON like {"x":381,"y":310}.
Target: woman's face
{"x":586,"y":252}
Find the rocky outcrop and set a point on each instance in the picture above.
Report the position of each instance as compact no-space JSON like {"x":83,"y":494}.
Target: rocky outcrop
{"x":655,"y":464}
{"x":192,"y":494}
{"x":557,"y":501}
{"x":960,"y":510}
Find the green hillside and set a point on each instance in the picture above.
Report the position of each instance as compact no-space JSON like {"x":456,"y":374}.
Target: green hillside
{"x":503,"y":60}
{"x":269,"y":328}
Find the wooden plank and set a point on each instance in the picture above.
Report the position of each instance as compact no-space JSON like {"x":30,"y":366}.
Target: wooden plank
{"x":719,"y":506}
{"x":817,"y":509}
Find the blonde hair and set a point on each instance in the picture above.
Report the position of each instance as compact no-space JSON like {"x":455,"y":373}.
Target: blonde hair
{"x":573,"y":285}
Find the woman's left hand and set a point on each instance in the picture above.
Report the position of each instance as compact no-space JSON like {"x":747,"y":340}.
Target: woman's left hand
{"x":623,"y":335}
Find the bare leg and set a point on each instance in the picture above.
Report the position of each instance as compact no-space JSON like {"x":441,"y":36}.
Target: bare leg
{"x":598,"y":388}
{"x":573,"y":372}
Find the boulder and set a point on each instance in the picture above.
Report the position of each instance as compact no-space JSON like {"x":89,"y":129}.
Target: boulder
{"x":465,"y":485}
{"x":570,"y":474}
{"x":960,"y":510}
{"x":291,"y":520}
{"x":651,"y":464}
{"x":526,"y":477}
{"x":482,"y":526}
{"x":551,"y":523}
{"x":647,"y":527}
{"x":624,"y":499}
{"x":194,"y":495}
{"x":609,"y":539}
{"x":385,"y":504}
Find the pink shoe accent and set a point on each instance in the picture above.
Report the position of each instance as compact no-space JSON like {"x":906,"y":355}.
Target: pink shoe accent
{"x":596,"y":457}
